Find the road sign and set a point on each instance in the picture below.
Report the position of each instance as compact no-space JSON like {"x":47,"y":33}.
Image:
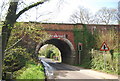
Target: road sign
{"x":79,"y":50}
{"x":80,"y":46}
{"x":104,"y":47}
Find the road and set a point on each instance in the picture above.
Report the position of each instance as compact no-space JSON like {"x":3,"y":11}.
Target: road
{"x":67,"y":72}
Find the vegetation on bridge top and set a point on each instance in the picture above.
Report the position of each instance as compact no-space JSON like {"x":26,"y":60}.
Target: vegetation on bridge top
{"x":67,"y":23}
{"x":68,"y":26}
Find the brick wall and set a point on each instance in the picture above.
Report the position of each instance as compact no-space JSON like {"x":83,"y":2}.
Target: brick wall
{"x":62,"y":29}
{"x":67,"y":29}
{"x":69,"y":35}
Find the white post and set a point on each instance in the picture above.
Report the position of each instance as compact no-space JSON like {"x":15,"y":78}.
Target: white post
{"x":79,"y":50}
{"x":79,"y":57}
{"x":104,"y":60}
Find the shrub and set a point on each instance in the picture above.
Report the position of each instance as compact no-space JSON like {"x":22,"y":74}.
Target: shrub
{"x":48,"y":54}
{"x":111,"y":37}
{"x":15,"y":59}
{"x":110,"y":66}
{"x":30,"y":71}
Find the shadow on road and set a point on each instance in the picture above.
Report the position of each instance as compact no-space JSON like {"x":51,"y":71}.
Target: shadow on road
{"x":65,"y":72}
{"x":61,"y":66}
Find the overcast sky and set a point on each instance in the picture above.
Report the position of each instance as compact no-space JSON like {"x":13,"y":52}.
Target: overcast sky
{"x":51,"y":11}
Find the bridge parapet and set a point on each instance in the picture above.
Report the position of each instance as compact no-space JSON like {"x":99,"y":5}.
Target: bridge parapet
{"x":67,"y":27}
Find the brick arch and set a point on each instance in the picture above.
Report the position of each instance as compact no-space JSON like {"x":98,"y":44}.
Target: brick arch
{"x":64,"y":45}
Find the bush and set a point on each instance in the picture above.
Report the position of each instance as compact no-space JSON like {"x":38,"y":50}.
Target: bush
{"x":48,"y":54}
{"x":15,"y":59}
{"x":52,"y":55}
{"x":111,"y":37}
{"x":30,"y":71}
{"x":111,"y":65}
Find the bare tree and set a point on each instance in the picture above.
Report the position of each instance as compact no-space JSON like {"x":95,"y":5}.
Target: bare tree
{"x":118,"y":14}
{"x":105,"y":16}
{"x":3,"y":8}
{"x":82,"y":15}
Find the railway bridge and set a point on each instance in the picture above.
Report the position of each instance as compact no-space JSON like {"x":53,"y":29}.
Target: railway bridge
{"x":62,"y":36}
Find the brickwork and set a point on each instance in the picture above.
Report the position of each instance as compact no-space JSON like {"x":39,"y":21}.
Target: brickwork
{"x":60,"y":26}
{"x":67,"y":29}
{"x":69,"y":35}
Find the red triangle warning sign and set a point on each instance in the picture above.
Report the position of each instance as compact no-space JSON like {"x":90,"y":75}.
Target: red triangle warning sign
{"x":104,"y":47}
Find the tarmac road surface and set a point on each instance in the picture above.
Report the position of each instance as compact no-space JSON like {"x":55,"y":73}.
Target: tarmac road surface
{"x":65,"y":72}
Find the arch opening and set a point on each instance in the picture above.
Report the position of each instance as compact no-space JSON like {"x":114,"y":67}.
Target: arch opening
{"x":50,"y":51}
{"x":65,"y":46}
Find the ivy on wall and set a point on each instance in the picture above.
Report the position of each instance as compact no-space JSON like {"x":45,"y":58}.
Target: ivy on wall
{"x":91,"y":57}
{"x":85,"y":37}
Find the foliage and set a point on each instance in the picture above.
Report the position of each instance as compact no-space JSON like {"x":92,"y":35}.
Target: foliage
{"x":28,"y":35}
{"x":0,"y":28}
{"x":12,"y":16}
{"x":86,"y":64}
{"x":31,"y":33}
{"x":50,"y":51}
{"x":94,"y":58}
{"x":111,"y":37}
{"x":98,"y":60}
{"x":21,"y":46}
{"x":15,"y":59}
{"x":30,"y":71}
{"x":85,"y":37}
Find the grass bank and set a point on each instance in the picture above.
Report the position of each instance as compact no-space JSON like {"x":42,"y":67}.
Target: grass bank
{"x":30,"y":71}
{"x":110,"y":65}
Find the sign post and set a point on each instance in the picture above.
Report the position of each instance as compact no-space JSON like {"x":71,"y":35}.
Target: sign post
{"x":104,"y":48}
{"x":79,"y":50}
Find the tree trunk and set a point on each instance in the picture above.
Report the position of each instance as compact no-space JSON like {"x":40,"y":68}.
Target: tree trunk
{"x":8,"y":24}
{"x":11,"y":19}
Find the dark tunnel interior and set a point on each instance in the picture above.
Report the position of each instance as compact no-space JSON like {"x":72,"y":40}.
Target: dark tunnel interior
{"x":64,"y":48}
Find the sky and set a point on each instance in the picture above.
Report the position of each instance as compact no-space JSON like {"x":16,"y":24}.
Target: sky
{"x":52,"y":11}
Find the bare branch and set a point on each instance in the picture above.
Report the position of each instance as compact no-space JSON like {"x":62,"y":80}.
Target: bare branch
{"x":106,"y":15}
{"x":81,"y":16}
{"x":29,"y":7}
{"x":14,"y":44}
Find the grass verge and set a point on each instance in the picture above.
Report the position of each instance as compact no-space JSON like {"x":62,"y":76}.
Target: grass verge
{"x":30,"y":71}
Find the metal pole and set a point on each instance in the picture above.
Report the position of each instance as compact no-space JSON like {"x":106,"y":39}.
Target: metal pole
{"x":104,"y":60}
{"x":79,"y":57}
